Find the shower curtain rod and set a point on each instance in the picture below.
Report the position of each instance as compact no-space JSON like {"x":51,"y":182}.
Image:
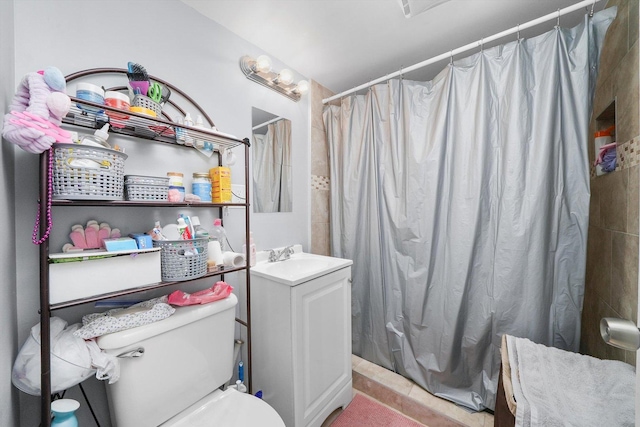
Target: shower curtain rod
{"x":266,"y":123}
{"x":479,"y":43}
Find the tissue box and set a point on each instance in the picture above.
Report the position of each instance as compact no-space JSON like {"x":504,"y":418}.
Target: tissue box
{"x":81,"y":275}
{"x":120,"y":244}
{"x":220,"y":177}
{"x":143,"y":241}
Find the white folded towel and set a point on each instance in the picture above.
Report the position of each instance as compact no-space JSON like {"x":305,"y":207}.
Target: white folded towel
{"x":553,"y":387}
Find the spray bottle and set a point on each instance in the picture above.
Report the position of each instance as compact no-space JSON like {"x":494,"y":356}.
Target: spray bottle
{"x":218,"y":233}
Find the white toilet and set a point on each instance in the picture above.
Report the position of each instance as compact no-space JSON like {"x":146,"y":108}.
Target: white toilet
{"x":171,"y":371}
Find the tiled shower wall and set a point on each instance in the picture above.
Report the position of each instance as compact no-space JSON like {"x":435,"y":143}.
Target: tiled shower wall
{"x":319,"y":173}
{"x":611,"y":285}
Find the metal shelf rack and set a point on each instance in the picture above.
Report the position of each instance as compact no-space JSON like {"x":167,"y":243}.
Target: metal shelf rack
{"x":145,"y":128}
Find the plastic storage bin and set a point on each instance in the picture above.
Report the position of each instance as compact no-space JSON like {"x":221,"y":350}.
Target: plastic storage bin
{"x":86,"y":275}
{"x":84,"y":172}
{"x":183,"y":259}
{"x":146,"y":188}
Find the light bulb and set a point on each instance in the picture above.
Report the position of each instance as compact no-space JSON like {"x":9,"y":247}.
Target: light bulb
{"x":285,"y":76}
{"x":263,"y":64}
{"x":302,"y":87}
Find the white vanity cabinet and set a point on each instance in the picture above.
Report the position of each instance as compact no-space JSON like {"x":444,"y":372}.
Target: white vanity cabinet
{"x":301,"y":341}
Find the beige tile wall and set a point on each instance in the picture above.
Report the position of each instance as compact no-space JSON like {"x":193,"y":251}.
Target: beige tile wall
{"x":611,"y":288}
{"x":319,"y":173}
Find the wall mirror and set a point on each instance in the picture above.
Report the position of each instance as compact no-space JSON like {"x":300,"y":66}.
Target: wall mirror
{"x":271,"y":148}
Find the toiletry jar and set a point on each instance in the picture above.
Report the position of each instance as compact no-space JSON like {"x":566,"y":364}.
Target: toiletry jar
{"x":91,"y":93}
{"x":120,"y":101}
{"x":82,"y":275}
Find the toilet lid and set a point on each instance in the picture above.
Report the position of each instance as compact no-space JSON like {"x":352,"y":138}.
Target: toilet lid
{"x":229,"y":408}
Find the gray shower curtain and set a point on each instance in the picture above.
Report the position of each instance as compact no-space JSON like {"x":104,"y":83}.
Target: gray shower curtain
{"x":464,"y":204}
{"x":272,"y":183}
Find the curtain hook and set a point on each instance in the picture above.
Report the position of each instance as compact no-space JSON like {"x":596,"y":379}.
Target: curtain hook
{"x":593,"y":5}
{"x":482,"y":44}
{"x":518,"y":33}
{"x":558,"y":21}
{"x":401,"y":75}
{"x":451,"y":57}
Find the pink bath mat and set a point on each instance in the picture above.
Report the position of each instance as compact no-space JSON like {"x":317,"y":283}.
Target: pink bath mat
{"x":365,"y":412}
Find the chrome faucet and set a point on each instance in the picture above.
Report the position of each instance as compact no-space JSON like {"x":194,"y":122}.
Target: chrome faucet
{"x":282,"y":255}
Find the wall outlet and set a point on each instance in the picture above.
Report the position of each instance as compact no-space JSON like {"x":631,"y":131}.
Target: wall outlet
{"x":237,"y":193}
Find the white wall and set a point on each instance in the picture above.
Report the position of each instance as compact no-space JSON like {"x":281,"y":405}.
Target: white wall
{"x":8,"y":339}
{"x":176,"y":44}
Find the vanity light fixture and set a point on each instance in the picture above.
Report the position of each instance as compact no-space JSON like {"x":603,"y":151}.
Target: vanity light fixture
{"x":259,"y":70}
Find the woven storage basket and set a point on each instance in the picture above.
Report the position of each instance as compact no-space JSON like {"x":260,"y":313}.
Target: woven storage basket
{"x":146,"y":102}
{"x":146,"y":180}
{"x":141,"y":188}
{"x":134,"y":192}
{"x":182,"y":259}
{"x":84,"y":172}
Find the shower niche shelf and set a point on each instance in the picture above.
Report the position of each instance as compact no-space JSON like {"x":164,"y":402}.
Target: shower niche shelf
{"x":605,"y":133}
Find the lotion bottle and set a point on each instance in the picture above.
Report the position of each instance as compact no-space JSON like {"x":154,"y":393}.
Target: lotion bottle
{"x":251,"y":255}
{"x":98,"y":139}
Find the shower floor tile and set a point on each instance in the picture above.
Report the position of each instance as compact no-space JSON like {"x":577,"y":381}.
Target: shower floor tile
{"x":407,"y":397}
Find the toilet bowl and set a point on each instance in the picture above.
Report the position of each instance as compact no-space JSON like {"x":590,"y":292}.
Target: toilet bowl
{"x":227,"y":408}
{"x":171,"y":372}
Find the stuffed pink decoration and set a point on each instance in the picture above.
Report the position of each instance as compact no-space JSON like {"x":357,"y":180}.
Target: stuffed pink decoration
{"x":36,"y":112}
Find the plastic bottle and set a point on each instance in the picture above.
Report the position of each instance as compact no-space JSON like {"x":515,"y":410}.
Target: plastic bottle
{"x":241,"y":371}
{"x":188,"y":121}
{"x":180,"y":133}
{"x":98,"y":139}
{"x":240,"y":387}
{"x":251,"y":256}
{"x":183,"y":229}
{"x":218,"y":234}
{"x":156,"y":232}
{"x":199,"y":124}
{"x":198,"y":230}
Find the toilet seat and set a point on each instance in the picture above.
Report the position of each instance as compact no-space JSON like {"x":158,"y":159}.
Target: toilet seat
{"x":228,"y":408}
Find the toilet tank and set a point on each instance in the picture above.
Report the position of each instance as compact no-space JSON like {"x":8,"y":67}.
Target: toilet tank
{"x":186,"y":356}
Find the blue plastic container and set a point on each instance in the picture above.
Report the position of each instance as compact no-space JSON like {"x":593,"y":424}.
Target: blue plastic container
{"x":91,"y":93}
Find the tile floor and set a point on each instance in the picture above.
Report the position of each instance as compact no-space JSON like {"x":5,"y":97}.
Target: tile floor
{"x":405,"y":396}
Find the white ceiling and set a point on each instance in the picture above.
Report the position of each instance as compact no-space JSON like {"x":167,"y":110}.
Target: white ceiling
{"x":344,"y":43}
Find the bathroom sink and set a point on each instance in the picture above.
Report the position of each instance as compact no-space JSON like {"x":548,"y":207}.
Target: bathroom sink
{"x":300,"y":268}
